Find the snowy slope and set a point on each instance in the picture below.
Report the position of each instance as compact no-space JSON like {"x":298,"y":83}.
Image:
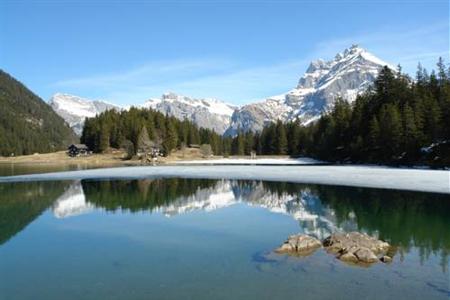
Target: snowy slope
{"x":207,"y":113}
{"x":74,"y":110}
{"x":347,"y":75}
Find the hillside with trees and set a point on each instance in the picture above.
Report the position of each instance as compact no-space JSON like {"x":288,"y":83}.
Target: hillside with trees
{"x":27,"y":123}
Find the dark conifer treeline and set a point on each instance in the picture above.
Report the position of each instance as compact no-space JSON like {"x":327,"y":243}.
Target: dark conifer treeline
{"x":127,"y":129}
{"x":390,"y":123}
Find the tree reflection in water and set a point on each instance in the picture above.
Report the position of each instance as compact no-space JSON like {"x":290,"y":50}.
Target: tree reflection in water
{"x":404,"y":219}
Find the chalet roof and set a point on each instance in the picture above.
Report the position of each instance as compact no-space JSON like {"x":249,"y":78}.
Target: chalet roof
{"x":79,"y":146}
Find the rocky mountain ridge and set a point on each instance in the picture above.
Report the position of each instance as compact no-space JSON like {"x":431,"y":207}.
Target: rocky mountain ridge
{"x":350,"y":72}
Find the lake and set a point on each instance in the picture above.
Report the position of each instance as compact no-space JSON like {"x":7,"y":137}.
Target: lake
{"x":11,"y":169}
{"x":213,"y":239}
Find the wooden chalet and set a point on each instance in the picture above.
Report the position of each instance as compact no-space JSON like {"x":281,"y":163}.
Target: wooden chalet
{"x":78,"y":150}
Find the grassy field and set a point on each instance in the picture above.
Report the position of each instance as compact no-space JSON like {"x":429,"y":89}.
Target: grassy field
{"x":60,"y":157}
{"x":111,"y":157}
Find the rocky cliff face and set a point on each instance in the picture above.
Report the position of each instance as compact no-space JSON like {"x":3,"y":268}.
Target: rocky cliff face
{"x":74,"y":110}
{"x":207,"y":113}
{"x":345,"y":76}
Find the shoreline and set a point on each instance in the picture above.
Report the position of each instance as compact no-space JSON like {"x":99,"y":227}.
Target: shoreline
{"x":61,"y":158}
{"x":116,"y":158}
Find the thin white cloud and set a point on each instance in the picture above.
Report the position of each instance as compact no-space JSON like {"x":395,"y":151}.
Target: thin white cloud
{"x":151,"y":71}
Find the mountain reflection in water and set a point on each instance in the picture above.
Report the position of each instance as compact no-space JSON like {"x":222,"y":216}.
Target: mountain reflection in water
{"x":404,"y":219}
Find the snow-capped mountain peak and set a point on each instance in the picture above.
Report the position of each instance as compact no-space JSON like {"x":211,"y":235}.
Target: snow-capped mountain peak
{"x":211,"y":104}
{"x":74,"y":110}
{"x":349,"y":73}
{"x":208,"y":113}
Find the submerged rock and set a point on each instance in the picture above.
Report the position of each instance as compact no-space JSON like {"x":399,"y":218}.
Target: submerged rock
{"x":348,"y":246}
{"x":300,"y":244}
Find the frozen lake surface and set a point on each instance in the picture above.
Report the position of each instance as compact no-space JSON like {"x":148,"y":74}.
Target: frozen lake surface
{"x":424,"y":180}
{"x":247,"y":161}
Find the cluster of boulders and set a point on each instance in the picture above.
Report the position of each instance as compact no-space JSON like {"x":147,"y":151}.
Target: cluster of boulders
{"x":300,"y":244}
{"x":352,"y":247}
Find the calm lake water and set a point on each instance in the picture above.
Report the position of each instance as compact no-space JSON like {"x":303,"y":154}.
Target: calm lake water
{"x":213,"y":239}
{"x":11,"y":169}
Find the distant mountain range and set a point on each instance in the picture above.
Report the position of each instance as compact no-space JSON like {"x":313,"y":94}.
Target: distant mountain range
{"x":345,"y":76}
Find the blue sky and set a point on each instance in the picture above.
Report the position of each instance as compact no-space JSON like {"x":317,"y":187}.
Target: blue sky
{"x":236,"y":51}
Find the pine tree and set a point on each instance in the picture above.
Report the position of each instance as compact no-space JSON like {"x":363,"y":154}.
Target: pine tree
{"x":444,"y":97}
{"x":170,"y":138}
{"x":384,"y":85}
{"x":193,"y":137}
{"x":144,"y":142}
{"x":390,"y":131}
{"x":374,"y":133}
{"x":257,"y":143}
{"x":432,"y":119}
{"x":281,"y":139}
{"x":442,"y":73}
{"x":293,"y":134}
{"x":249,"y":139}
{"x":420,"y":78}
{"x":268,"y":138}
{"x":227,"y":146}
{"x":341,"y":115}
{"x":184,"y":132}
{"x":103,"y":139}
{"x":410,"y":133}
{"x":240,"y":144}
